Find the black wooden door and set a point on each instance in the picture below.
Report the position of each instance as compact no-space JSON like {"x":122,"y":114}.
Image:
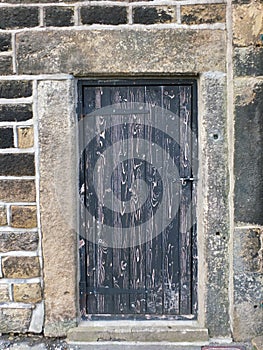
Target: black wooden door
{"x":137,"y":185}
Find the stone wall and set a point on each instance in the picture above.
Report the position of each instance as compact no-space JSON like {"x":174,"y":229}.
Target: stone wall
{"x":20,"y":282}
{"x":248,"y":168}
{"x":44,"y":46}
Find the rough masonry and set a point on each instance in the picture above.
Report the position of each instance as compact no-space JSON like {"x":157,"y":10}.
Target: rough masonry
{"x":45,"y":47}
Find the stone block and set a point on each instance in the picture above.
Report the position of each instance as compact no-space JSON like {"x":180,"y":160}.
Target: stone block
{"x":130,"y":331}
{"x":248,"y":61}
{"x":103,"y":15}
{"x":4,"y":293}
{"x":247,"y":253}
{"x":18,"y":17}
{"x":17,"y":191}
{"x":15,"y":113}
{"x":6,"y":138}
{"x":23,"y":216}
{"x":20,"y":267}
{"x":154,"y":14}
{"x":248,"y":24}
{"x":15,"y":241}
{"x":248,"y":163}
{"x":17,"y":164}
{"x":258,"y":342}
{"x":247,"y":321}
{"x":14,"y":320}
{"x":6,"y":65}
{"x":25,"y":137}
{"x":15,"y":88}
{"x":37,"y":319}
{"x":59,"y":16}
{"x":248,"y":282}
{"x":3,"y":217}
{"x":116,"y":51}
{"x":27,"y":293}
{"x":58,"y":216}
{"x":203,"y":13}
{"x":5,"y":42}
{"x":214,"y":202}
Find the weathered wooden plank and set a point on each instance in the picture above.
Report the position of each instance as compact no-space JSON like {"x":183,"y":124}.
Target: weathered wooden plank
{"x":135,"y":171}
{"x":154,"y":247}
{"x":186,"y":196}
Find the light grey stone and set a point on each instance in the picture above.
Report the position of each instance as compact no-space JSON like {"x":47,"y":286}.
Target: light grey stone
{"x":213,"y":208}
{"x":130,"y":331}
{"x":37,"y":319}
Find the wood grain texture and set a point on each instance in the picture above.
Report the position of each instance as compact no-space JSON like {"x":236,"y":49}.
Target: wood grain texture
{"x":156,"y":278}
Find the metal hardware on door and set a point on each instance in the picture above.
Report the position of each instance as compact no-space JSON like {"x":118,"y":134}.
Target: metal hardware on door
{"x":184,"y":180}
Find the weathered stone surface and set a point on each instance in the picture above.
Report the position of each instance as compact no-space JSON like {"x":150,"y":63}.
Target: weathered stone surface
{"x":58,"y":213}
{"x":154,"y":14}
{"x":103,"y":15}
{"x":248,"y":24}
{"x":15,"y":241}
{"x":6,"y":138}
{"x":15,"y":88}
{"x":248,"y":152}
{"x":258,"y":342}
{"x":247,"y":253}
{"x":205,"y":13}
{"x":6,"y":65}
{"x":17,"y":191}
{"x":15,"y":113}
{"x":249,"y":288}
{"x":17,"y":164}
{"x":248,"y":61}
{"x":14,"y":320}
{"x":23,"y":216}
{"x":37,"y":319}
{"x":3,"y":217}
{"x":248,"y":283}
{"x":32,"y":1}
{"x":18,"y":17}
{"x":5,"y":42}
{"x":131,"y":331}
{"x":4,"y":293}
{"x":85,"y":52}
{"x":27,"y":293}
{"x":248,"y":321}
{"x":20,"y":267}
{"x":59,"y":16}
{"x":25,"y":137}
{"x":215,"y":186}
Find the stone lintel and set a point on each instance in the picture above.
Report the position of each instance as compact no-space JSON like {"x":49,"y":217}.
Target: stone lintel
{"x":86,"y":52}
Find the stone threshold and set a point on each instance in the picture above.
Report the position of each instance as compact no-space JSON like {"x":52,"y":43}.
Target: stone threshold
{"x":139,"y":331}
{"x":136,"y":346}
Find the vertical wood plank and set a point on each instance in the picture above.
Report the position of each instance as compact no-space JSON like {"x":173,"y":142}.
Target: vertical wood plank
{"x":186,"y":196}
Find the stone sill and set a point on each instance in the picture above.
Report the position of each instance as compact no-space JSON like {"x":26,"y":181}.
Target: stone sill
{"x":138,"y":331}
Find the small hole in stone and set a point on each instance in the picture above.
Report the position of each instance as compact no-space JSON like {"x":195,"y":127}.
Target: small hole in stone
{"x":224,"y":237}
{"x":255,"y":306}
{"x":215,"y":136}
{"x":218,"y":233}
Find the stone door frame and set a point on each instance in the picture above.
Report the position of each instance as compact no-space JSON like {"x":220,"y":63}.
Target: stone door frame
{"x":56,"y":103}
